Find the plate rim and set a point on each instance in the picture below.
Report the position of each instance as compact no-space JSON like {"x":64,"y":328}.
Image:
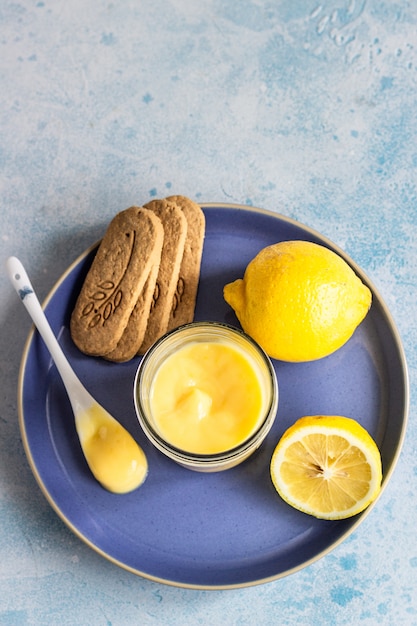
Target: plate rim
{"x":387,"y":475}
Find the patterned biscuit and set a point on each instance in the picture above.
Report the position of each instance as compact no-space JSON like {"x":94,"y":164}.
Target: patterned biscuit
{"x":182,"y":311}
{"x":175,"y":232}
{"x":133,"y":334}
{"x":130,"y":247}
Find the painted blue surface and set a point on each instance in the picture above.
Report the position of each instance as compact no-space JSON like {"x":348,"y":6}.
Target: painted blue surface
{"x":25,"y":292}
{"x":304,"y":108}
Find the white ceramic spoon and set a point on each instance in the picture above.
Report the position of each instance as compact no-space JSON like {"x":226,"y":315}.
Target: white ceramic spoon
{"x":114,"y":457}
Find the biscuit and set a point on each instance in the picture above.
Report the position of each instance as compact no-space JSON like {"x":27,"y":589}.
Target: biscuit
{"x":182,"y":311}
{"x":134,"y":333}
{"x":175,"y":232}
{"x":131,"y":246}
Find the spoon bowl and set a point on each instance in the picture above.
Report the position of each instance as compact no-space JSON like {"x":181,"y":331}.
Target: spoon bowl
{"x":113,"y":456}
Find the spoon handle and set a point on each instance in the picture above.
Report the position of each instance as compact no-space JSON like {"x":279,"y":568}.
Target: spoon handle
{"x":22,"y":285}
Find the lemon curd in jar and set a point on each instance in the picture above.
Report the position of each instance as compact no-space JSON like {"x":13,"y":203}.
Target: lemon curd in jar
{"x":207,"y":397}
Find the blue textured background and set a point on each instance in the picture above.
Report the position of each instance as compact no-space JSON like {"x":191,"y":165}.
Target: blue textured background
{"x":306,"y":108}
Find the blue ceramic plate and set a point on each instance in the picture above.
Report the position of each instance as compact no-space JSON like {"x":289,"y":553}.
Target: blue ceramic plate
{"x":222,"y":530}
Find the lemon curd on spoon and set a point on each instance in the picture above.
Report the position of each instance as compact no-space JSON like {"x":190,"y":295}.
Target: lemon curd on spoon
{"x":114,"y":457}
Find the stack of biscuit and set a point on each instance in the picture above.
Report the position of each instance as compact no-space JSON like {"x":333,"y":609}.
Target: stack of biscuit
{"x":143,"y":280}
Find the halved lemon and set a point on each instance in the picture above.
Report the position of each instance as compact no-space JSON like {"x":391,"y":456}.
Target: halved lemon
{"x":327,"y":466}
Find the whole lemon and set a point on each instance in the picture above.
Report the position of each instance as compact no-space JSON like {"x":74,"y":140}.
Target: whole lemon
{"x":299,"y":300}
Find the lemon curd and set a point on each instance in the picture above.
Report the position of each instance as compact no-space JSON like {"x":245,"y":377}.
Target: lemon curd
{"x":114,"y":457}
{"x":207,"y":397}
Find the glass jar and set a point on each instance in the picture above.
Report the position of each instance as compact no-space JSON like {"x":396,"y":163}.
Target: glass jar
{"x":206,"y":333}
